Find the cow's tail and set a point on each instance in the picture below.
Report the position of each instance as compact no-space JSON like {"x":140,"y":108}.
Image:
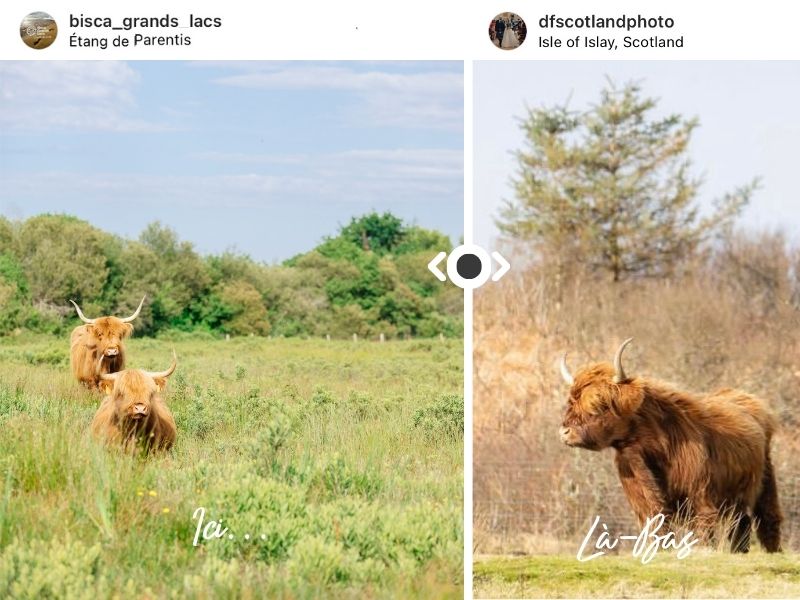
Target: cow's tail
{"x":767,"y":510}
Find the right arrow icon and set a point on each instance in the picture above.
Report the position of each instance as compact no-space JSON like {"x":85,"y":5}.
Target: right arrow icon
{"x":504,"y":266}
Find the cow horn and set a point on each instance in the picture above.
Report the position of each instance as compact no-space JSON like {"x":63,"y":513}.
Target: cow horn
{"x":136,"y":314}
{"x":619,"y":372}
{"x":81,"y":315}
{"x":565,"y":370}
{"x":168,"y":372}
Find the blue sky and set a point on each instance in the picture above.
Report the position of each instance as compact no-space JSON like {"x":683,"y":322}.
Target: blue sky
{"x":749,"y":115}
{"x":263,"y":157}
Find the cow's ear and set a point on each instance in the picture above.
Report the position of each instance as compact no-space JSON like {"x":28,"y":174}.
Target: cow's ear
{"x":627,"y":399}
{"x":128,"y":330}
{"x":106,"y":385}
{"x":161,"y":383}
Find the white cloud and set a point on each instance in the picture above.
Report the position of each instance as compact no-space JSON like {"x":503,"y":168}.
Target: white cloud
{"x":362,"y":174}
{"x":425,"y":99}
{"x":42,"y":96}
{"x":209,"y":190}
{"x":421,"y":162}
{"x":358,"y":176}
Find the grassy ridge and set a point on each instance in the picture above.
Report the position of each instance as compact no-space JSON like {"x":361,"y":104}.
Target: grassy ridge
{"x":346,"y":457}
{"x":701,"y":575}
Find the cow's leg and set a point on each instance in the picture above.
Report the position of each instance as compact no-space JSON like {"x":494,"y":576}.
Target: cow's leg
{"x":767,"y":511}
{"x":640,"y":485}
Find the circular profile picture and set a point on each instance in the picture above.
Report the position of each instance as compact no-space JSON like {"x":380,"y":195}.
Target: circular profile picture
{"x":38,"y":30}
{"x":507,"y":31}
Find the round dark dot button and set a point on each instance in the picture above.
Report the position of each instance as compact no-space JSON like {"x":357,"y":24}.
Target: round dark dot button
{"x":469,"y":266}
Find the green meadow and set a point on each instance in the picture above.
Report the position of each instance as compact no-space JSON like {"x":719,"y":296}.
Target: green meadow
{"x":336,"y":468}
{"x":703,"y":574}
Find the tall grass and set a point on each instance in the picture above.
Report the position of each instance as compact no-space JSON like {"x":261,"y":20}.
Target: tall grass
{"x":730,"y":318}
{"x":316,"y":451}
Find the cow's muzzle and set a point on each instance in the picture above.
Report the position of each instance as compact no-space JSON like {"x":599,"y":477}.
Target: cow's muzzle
{"x":139,"y":411}
{"x":112,"y":351}
{"x":565,"y":433}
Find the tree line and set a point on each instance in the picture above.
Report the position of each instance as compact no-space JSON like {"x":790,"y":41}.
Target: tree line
{"x":369,"y":278}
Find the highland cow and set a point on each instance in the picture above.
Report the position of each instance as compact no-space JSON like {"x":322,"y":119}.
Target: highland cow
{"x":678,"y":453}
{"x":133,"y":413}
{"x":100,"y":337}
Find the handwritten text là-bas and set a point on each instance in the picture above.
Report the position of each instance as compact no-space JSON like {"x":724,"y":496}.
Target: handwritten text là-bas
{"x":647,"y":543}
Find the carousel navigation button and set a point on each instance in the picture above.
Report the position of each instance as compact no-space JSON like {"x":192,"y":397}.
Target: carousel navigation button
{"x":469,"y":266}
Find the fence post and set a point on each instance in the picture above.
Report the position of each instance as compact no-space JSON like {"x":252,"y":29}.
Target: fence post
{"x":328,"y":337}
{"x":383,"y":338}
{"x":355,"y":337}
{"x":227,"y":337}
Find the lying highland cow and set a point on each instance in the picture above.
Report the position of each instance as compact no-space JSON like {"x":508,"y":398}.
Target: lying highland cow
{"x":133,"y":413}
{"x":101,"y":337}
{"x":705,"y":456}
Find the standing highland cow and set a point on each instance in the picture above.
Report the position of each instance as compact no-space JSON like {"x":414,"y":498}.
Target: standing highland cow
{"x":100,"y":337}
{"x":705,"y":456}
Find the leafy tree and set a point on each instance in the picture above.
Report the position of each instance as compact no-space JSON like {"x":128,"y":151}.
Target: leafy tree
{"x":13,"y":293}
{"x":417,"y":239}
{"x":610,"y":187}
{"x":182,"y":277}
{"x":379,"y":233}
{"x":6,"y":235}
{"x":248,"y":315}
{"x":63,"y":257}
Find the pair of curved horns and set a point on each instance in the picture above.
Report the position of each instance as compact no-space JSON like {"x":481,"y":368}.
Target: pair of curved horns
{"x":619,"y":371}
{"x":153,"y":374}
{"x":125,"y":320}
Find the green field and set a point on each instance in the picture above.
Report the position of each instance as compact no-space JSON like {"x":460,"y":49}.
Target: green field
{"x":702,"y":574}
{"x":346,"y":457}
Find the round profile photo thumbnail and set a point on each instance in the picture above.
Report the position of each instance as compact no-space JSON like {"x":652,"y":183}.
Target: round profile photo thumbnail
{"x":38,"y":30}
{"x":507,"y":31}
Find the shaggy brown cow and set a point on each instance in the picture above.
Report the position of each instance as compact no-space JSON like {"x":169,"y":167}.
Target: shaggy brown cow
{"x":101,"y":337}
{"x":705,"y":456}
{"x":133,"y":413}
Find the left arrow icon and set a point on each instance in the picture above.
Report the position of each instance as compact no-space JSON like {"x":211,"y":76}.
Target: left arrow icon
{"x":433,"y":268}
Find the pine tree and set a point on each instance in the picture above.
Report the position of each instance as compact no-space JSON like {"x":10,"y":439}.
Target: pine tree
{"x":610,"y":187}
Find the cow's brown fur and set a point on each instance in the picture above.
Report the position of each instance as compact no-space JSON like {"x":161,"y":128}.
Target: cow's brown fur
{"x":90,"y":342}
{"x":705,"y":456}
{"x":114,"y":421}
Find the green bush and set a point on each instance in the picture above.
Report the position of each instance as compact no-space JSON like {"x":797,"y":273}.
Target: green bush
{"x":340,"y":479}
{"x":271,"y":512}
{"x":444,"y":418}
{"x":59,"y":568}
{"x":317,"y":561}
{"x":53,"y":355}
